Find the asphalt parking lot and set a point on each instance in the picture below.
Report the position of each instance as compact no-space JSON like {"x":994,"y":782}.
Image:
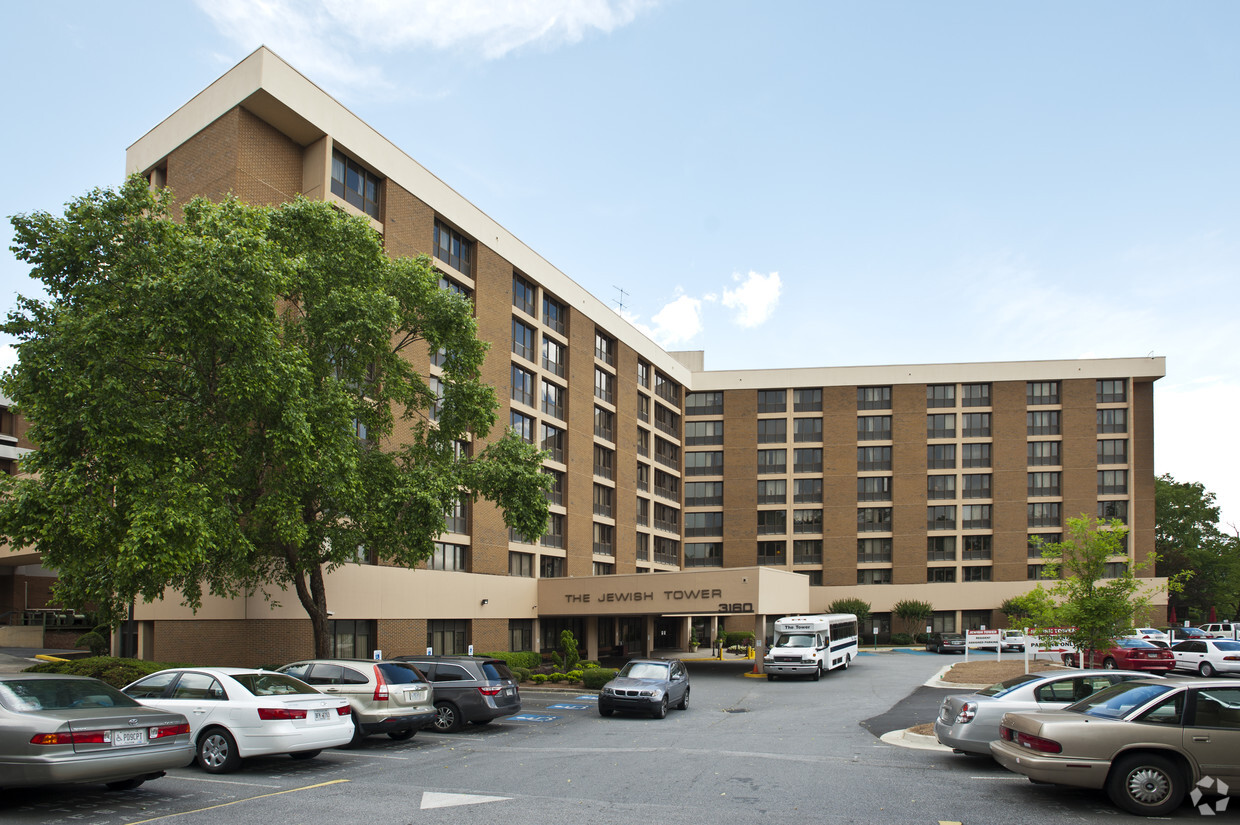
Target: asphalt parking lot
{"x":746,"y":750}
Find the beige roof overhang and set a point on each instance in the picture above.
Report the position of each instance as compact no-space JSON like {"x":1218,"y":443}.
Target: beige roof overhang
{"x":714,"y":592}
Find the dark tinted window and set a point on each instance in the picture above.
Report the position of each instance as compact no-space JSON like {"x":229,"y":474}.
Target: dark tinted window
{"x":451,"y":673}
{"x":397,"y":673}
{"x":151,"y":687}
{"x":349,"y":676}
{"x":496,"y":670}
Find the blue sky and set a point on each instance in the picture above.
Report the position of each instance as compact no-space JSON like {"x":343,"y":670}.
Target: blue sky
{"x":778,"y":184}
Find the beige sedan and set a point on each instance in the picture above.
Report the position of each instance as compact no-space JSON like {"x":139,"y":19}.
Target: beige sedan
{"x":1147,"y":742}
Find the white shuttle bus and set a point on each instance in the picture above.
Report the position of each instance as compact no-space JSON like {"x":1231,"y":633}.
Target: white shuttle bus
{"x":811,"y":645}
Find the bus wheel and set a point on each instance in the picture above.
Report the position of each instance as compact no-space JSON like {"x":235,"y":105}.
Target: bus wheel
{"x":818,"y":672}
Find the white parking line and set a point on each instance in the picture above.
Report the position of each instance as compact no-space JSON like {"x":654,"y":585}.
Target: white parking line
{"x":370,"y":755}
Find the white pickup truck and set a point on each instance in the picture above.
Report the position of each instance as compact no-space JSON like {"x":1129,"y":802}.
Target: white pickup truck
{"x":1222,"y":630}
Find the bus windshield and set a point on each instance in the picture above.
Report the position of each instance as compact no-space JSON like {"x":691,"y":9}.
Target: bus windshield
{"x":795,"y":640}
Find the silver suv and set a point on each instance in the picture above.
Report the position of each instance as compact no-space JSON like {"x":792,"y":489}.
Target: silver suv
{"x":386,"y":696}
{"x":468,"y":689}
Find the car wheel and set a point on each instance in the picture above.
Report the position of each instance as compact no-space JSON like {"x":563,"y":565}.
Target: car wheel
{"x":125,"y":784}
{"x":602,"y":711}
{"x":684,"y":701}
{"x":304,"y":754}
{"x":1206,"y":669}
{"x":217,"y":751}
{"x":358,"y":734}
{"x":447,"y":718}
{"x":770,"y":677}
{"x":401,"y":735}
{"x":847,"y":662}
{"x":660,"y":710}
{"x":1146,"y":785}
{"x":1108,"y":663}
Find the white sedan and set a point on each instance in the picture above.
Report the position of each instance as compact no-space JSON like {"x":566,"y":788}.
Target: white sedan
{"x":1207,"y":656}
{"x":238,"y":712}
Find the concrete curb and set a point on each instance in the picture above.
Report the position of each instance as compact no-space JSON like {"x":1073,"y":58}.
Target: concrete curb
{"x":913,"y":741}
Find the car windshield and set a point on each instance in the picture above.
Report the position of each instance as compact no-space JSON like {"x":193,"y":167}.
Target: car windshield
{"x":1137,"y":643}
{"x":272,"y":684}
{"x":26,"y":695}
{"x":795,"y":640}
{"x":1116,"y":701}
{"x":644,"y":670}
{"x":1008,"y":685}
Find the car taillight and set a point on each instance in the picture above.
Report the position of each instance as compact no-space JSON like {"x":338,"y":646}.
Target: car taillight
{"x":274,"y":714}
{"x":381,"y":688}
{"x":1231,"y":658}
{"x":81,"y":737}
{"x":1005,"y":734}
{"x":490,"y":691}
{"x":967,"y":712}
{"x":343,"y":710}
{"x":167,"y":730}
{"x":1036,"y":743}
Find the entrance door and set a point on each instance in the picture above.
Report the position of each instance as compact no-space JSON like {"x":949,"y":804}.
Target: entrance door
{"x":666,"y":634}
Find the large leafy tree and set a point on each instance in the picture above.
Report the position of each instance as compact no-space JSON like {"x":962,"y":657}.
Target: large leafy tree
{"x":1188,"y":540}
{"x":228,"y":402}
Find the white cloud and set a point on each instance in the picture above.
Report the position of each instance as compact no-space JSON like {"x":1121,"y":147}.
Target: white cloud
{"x":323,"y":38}
{"x":755,"y":299}
{"x":675,"y":325}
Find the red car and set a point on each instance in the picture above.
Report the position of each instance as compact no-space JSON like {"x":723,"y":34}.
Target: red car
{"x":1128,"y":654}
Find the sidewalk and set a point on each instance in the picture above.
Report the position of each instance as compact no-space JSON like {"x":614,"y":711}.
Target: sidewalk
{"x":17,"y":659}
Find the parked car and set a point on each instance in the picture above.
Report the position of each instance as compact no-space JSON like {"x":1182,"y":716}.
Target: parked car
{"x":1146,"y":741}
{"x":1180,"y":634}
{"x":1222,"y":630}
{"x":945,"y":642}
{"x":647,"y":686}
{"x":386,"y":697}
{"x":236,"y":713}
{"x":1207,"y":657}
{"x":968,"y":722}
{"x":468,"y":689}
{"x":1153,"y":635}
{"x":1125,"y":654}
{"x":57,"y":729}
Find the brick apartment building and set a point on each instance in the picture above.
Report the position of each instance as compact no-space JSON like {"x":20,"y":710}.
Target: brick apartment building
{"x":754,"y":493}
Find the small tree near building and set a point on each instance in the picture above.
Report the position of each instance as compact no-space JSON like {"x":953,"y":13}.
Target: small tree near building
{"x":913,"y":614}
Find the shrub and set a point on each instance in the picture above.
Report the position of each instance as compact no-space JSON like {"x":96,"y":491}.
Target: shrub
{"x":522,"y":674}
{"x":594,"y":678}
{"x":95,"y":641}
{"x":573,"y":675}
{"x":901,"y":639}
{"x":557,"y":677}
{"x":589,"y":663}
{"x":522,"y":658}
{"x":566,"y":656}
{"x":116,"y":672}
{"x":538,"y":678}
{"x":738,"y":638}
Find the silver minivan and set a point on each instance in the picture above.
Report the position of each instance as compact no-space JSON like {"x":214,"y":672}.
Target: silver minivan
{"x":385,"y":696}
{"x":472,"y":689}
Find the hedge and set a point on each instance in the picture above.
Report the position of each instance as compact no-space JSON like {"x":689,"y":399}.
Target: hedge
{"x":522,"y":658}
{"x":595,"y":677}
{"x":116,"y":672}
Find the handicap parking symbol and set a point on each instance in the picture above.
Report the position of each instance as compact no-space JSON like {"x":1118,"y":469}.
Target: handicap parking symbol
{"x":568,"y":707}
{"x":529,"y":717}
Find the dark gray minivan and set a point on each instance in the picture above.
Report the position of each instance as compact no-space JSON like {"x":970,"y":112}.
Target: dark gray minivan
{"x":468,"y":689}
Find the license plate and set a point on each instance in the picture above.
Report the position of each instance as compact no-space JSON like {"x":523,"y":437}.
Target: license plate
{"x":322,"y":715}
{"x":411,"y":695}
{"x":127,"y":738}
{"x":509,"y":691}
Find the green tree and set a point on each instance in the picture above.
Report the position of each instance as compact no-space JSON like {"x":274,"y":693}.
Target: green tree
{"x":858,"y":607}
{"x":1191,"y":545}
{"x":566,"y":656}
{"x":228,"y":403}
{"x":913,"y":614}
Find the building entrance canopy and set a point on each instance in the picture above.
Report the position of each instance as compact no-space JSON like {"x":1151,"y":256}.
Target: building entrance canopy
{"x":753,"y":591}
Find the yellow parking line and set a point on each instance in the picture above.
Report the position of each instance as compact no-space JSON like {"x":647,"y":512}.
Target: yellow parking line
{"x":236,"y":801}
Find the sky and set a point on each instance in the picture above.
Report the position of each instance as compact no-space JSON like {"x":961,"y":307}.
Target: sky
{"x":780,"y":184}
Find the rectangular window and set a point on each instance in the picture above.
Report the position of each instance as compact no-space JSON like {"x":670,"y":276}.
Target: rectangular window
{"x":555,"y":493}
{"x":604,"y":424}
{"x":553,"y":442}
{"x":940,"y":487}
{"x":772,"y":401}
{"x":603,"y":385}
{"x":1112,"y":482}
{"x":770,"y":430}
{"x":523,"y":426}
{"x":772,"y":462}
{"x":551,"y":567}
{"x":604,"y":348}
{"x":879,"y":575}
{"x":814,"y":576}
{"x":772,"y":522}
{"x":873,"y":398}
{"x":807,"y":521}
{"x":704,"y":463}
{"x":436,"y":409}
{"x":604,"y":543}
{"x":1043,"y":453}
{"x":772,"y":552}
{"x":1041,"y":393}
{"x":448,"y":557}
{"x":941,"y":548}
{"x":873,"y":551}
{"x":523,"y":341}
{"x":355,"y":184}
{"x":1037,"y":572}
{"x":773,"y":491}
{"x":941,"y":517}
{"x":1112,"y":390}
{"x":1043,"y":485}
{"x":1042,"y":422}
{"x":524,"y":296}
{"x":604,"y":568}
{"x":874,"y":428}
{"x":643,"y":374}
{"x":807,"y":491}
{"x":941,"y":456}
{"x":807,"y":400}
{"x":643,"y":514}
{"x":1113,"y":421}
{"x":555,"y":315}
{"x":975,"y":455}
{"x":520,"y":634}
{"x":704,"y":493}
{"x":666,"y":518}
{"x":940,"y":574}
{"x":553,"y":400}
{"x":456,"y":519}
{"x":602,"y":500}
{"x":873,"y":458}
{"x":604,"y":462}
{"x":522,"y":386}
{"x":553,"y":357}
{"x":667,"y":420}
{"x":975,"y":395}
{"x":1038,"y":542}
{"x":874,"y":520}
{"x":975,"y":517}
{"x":453,"y":248}
{"x":975,"y":425}
{"x":807,"y":551}
{"x":643,"y":477}
{"x":704,"y":554}
{"x":1044,"y":514}
{"x":941,"y":425}
{"x":704,"y":403}
{"x":807,"y":429}
{"x":1113,"y":451}
{"x":807,"y":460}
{"x":448,"y":637}
{"x":1108,"y":510}
{"x":975,"y":574}
{"x":666,"y":486}
{"x":874,"y":488}
{"x":977,"y":485}
{"x":940,"y":395}
{"x":666,"y":389}
{"x":554,"y":537}
{"x":643,"y":408}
